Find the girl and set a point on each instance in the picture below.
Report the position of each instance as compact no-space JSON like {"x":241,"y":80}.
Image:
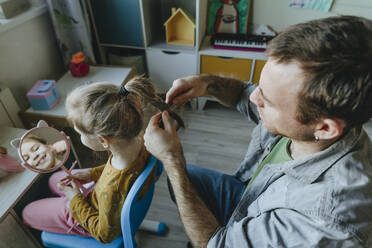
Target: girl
{"x":107,"y":118}
{"x":37,"y":153}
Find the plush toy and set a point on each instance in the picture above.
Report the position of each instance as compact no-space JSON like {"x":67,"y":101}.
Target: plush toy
{"x":78,"y":67}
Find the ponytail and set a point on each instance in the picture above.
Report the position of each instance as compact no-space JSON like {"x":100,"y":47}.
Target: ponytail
{"x":103,"y":109}
{"x":143,"y":87}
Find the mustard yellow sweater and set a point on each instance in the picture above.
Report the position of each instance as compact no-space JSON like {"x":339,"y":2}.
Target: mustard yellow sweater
{"x":100,"y":213}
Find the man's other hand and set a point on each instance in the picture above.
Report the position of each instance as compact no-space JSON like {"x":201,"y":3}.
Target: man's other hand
{"x":163,"y":143}
{"x":184,"y":89}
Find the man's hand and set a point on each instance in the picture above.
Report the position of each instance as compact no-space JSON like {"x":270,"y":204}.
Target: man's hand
{"x":70,"y":190}
{"x":184,"y":89}
{"x":163,"y":143}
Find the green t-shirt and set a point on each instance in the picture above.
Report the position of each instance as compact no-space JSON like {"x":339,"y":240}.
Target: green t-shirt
{"x":279,"y":154}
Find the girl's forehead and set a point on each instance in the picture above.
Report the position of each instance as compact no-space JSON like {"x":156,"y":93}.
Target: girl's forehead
{"x":27,"y":145}
{"x":29,"y":142}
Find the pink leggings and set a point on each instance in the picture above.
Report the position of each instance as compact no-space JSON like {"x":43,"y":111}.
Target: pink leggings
{"x":53,"y":214}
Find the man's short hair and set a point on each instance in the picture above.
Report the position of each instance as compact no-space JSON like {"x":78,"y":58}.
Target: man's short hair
{"x":336,"y":56}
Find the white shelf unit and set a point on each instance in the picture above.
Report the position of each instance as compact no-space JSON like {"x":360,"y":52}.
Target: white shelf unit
{"x":156,"y":12}
{"x":165,"y":62}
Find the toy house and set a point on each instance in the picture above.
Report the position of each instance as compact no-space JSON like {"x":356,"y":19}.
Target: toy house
{"x":180,"y":28}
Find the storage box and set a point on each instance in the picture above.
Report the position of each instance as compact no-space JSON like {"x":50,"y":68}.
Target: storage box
{"x":243,"y":69}
{"x":44,"y":95}
{"x":10,"y":8}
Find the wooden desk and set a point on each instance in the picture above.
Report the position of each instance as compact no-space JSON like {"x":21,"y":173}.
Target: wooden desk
{"x":12,"y":188}
{"x":57,"y":116}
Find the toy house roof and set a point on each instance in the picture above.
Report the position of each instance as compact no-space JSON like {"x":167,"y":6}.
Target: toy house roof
{"x":186,"y":14}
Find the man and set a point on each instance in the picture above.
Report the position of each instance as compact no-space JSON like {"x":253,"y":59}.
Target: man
{"x":306,"y":180}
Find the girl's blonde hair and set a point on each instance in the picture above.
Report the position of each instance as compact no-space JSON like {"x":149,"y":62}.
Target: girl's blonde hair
{"x":99,"y":108}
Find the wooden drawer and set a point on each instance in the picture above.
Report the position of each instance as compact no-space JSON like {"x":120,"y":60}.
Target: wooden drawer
{"x":232,"y":67}
{"x":226,"y":66}
{"x":165,"y":67}
{"x":258,"y":65}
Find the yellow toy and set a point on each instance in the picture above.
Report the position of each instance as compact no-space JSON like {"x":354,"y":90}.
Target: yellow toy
{"x":180,"y":28}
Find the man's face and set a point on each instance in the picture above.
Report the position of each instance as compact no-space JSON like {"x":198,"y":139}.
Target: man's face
{"x":276,"y":100}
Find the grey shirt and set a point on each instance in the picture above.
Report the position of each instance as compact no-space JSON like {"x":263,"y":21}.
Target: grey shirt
{"x":321,"y":200}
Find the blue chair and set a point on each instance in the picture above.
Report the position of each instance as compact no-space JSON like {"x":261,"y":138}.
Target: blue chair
{"x":132,"y":215}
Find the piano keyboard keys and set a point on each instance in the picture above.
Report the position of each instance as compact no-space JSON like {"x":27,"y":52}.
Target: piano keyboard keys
{"x":240,"y":41}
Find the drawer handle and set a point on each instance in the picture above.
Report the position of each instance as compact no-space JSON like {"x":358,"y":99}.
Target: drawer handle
{"x":170,"y":52}
{"x":227,"y":58}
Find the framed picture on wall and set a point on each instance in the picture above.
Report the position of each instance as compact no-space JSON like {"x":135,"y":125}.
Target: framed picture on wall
{"x":228,"y":16}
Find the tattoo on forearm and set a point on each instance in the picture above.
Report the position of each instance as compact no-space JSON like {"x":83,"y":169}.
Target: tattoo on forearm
{"x":226,"y":90}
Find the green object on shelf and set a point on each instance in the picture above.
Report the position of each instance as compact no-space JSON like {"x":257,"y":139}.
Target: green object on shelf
{"x":222,"y":15}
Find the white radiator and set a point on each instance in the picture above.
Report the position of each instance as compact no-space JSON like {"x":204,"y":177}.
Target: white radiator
{"x":9,"y":109}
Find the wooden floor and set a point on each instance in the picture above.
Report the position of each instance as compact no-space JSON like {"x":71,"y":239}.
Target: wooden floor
{"x":216,"y":138}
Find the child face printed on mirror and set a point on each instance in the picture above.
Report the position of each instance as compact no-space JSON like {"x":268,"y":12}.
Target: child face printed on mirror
{"x":37,"y":154}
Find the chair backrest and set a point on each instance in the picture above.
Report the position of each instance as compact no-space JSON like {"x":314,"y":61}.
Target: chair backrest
{"x":134,"y":210}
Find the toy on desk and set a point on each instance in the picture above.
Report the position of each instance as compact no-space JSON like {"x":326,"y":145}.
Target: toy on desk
{"x":8,"y":163}
{"x":44,"y":149}
{"x":44,"y":95}
{"x":180,"y":28}
{"x":78,"y":67}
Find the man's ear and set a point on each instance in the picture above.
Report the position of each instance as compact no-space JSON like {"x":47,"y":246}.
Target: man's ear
{"x":329,"y":128}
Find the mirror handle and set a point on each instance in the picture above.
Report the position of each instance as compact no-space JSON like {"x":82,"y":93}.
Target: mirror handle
{"x":84,"y":191}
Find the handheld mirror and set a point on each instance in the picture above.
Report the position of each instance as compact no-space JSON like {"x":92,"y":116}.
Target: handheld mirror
{"x":44,"y":149}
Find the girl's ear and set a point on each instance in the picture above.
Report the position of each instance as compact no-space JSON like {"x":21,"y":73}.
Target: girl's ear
{"x":105,"y":142}
{"x":42,"y":123}
{"x":15,"y":143}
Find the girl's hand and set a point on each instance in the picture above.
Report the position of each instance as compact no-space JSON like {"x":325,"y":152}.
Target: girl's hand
{"x":81,"y":176}
{"x":60,"y":146}
{"x":70,"y":190}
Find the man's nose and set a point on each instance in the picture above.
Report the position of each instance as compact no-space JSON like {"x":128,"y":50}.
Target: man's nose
{"x":254,"y":96}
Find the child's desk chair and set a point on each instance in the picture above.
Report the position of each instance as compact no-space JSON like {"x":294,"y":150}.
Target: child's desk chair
{"x":132,"y":215}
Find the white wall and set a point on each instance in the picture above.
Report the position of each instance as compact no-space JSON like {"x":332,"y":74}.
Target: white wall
{"x":29,"y":52}
{"x":279,"y":16}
